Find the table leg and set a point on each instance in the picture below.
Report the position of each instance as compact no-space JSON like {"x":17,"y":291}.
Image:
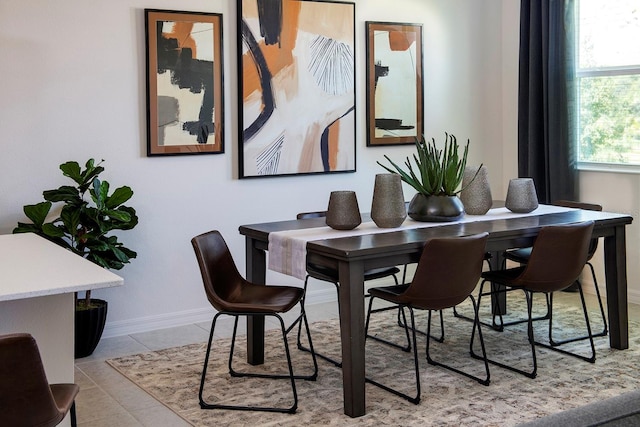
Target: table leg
{"x":256,"y":273}
{"x":615,"y":267}
{"x":351,"y":300}
{"x":498,"y":299}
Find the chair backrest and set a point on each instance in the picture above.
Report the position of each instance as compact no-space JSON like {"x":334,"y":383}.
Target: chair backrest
{"x":220,"y":275}
{"x":593,"y":245}
{"x":307,"y":215}
{"x":557,"y":257}
{"x":25,"y":396}
{"x":447,"y":272}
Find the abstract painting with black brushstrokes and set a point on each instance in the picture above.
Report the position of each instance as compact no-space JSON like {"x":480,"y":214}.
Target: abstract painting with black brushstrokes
{"x":297,"y":87}
{"x":184,"y":85}
{"x":394,"y":83}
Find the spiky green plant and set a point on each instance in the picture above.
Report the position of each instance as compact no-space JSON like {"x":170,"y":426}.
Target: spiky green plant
{"x":85,"y":221}
{"x":437,"y":172}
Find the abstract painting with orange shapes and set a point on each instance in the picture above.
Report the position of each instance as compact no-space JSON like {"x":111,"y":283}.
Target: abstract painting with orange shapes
{"x":297,"y":87}
{"x":394,"y":83}
{"x":184,"y":83}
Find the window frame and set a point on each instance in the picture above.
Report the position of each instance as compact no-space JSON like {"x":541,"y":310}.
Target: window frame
{"x":608,"y":71}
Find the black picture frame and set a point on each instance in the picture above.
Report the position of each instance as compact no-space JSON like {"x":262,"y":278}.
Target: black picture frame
{"x":297,"y":97}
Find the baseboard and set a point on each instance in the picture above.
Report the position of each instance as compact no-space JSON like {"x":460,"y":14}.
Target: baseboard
{"x":314,"y":296}
{"x":181,"y":318}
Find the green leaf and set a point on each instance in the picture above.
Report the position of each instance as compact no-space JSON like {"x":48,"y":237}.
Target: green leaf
{"x":72,"y":170}
{"x":65,"y":193}
{"x":37,"y":213}
{"x":27,"y":228}
{"x":119,"y":196}
{"x":71,"y":219}
{"x":51,"y":230}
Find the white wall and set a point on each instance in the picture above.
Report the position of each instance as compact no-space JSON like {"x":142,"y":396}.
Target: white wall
{"x":73,"y":87}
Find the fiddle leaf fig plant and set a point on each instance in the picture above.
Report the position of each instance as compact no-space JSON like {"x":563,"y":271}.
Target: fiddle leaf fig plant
{"x":437,"y":172}
{"x":87,"y":216}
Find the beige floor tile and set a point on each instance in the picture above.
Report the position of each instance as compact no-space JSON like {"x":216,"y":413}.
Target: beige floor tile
{"x":94,"y":404}
{"x":158,"y":416}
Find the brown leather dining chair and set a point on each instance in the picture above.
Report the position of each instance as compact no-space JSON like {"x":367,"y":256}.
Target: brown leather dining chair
{"x":230,"y":294}
{"x":327,"y":274}
{"x":558,"y":256}
{"x":521,"y":256}
{"x":447,"y":273}
{"x":26,"y":397}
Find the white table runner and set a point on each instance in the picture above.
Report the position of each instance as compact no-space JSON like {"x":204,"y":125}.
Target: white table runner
{"x":288,"y":249}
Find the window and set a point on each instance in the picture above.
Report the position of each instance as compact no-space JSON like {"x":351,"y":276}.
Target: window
{"x":608,"y":82}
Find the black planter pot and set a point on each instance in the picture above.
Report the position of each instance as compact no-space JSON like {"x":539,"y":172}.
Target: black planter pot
{"x":435,"y":208}
{"x":89,"y":326}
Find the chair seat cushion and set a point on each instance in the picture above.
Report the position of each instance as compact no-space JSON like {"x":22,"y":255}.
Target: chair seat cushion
{"x":389,"y":293}
{"x":330,"y":275}
{"x":253,"y":298}
{"x":518,"y":255}
{"x":396,"y":295}
{"x":505,"y":277}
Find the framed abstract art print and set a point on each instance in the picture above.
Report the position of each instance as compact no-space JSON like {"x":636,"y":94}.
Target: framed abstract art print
{"x":394,"y":83}
{"x":185,"y":102}
{"x":296,"y":87}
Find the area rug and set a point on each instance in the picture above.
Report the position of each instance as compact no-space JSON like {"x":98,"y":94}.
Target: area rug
{"x":172,"y":376}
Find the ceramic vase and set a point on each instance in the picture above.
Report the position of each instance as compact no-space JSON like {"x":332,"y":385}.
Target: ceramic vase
{"x":521,"y":195}
{"x":476,"y":192}
{"x":387,"y":208}
{"x":435,"y":208}
{"x":343,"y":212}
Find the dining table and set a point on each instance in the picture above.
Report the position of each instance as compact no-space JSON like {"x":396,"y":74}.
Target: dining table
{"x":350,"y":253}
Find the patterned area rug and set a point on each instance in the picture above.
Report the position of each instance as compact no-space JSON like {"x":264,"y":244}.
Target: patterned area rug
{"x":172,"y":376}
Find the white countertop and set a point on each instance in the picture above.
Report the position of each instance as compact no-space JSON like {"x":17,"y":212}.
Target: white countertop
{"x":32,"y":266}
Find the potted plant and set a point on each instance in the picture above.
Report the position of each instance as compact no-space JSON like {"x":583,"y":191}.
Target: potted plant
{"x":437,"y":178}
{"x":87,"y":216}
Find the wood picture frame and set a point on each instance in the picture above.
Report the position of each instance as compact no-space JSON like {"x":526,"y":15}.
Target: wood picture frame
{"x":297,"y":107}
{"x":395,"y":88}
{"x":185,"y":95}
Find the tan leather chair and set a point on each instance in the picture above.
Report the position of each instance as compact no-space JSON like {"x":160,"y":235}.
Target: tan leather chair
{"x":230,"y":294}
{"x":558,"y":256}
{"x":447,"y":273}
{"x":26,"y":397}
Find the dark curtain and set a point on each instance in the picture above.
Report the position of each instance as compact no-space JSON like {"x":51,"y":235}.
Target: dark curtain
{"x":546,"y":99}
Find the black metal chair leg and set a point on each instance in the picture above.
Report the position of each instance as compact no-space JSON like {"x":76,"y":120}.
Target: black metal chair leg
{"x":604,"y":331}
{"x":291,"y":377}
{"x":406,"y":348}
{"x":483,"y":381}
{"x":554,"y":345}
{"x":530,"y":374}
{"x":74,"y":422}
{"x":416,"y":398}
{"x":440,"y":339}
{"x":299,"y":344}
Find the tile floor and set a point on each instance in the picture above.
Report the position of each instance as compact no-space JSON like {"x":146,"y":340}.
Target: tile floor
{"x":109,"y":399}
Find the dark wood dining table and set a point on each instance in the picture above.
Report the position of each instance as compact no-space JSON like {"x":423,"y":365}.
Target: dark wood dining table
{"x":351,"y":256}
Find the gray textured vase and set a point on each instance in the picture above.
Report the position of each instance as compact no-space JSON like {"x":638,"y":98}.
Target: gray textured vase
{"x":521,"y":195}
{"x":343,"y":212}
{"x":476,"y":194}
{"x":435,"y":208}
{"x":387,"y":208}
